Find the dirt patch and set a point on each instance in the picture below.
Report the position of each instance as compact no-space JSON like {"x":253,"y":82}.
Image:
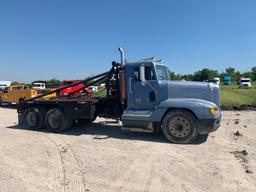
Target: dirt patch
{"x":238,"y":107}
{"x":101,"y":157}
{"x":242,"y":156}
{"x":238,"y":134}
{"x":236,"y":121}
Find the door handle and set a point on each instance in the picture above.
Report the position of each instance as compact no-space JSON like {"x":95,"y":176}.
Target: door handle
{"x":152,"y":96}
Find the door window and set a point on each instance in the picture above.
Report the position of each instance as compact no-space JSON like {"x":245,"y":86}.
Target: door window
{"x":149,"y":73}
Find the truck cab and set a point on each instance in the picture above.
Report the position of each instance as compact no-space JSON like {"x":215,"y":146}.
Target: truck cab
{"x":14,"y":93}
{"x":217,"y":80}
{"x":39,"y":85}
{"x":72,"y":89}
{"x":181,"y":109}
{"x":4,"y":85}
{"x":227,"y":80}
{"x":245,"y":82}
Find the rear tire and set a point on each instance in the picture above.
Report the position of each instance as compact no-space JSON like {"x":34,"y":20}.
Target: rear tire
{"x":180,"y":126}
{"x":34,"y":118}
{"x":56,"y":121}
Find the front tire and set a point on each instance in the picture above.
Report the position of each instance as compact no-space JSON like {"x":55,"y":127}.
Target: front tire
{"x":34,"y":118}
{"x":180,"y":126}
{"x":56,"y":121}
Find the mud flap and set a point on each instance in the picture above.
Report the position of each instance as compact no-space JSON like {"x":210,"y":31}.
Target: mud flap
{"x":21,"y":119}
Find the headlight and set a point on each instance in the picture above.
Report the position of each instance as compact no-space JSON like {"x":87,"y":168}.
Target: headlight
{"x":213,"y":111}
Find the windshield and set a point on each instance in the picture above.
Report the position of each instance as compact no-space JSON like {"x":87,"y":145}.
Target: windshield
{"x":245,"y":81}
{"x":36,"y":85}
{"x":66,"y":83}
{"x":162,"y":72}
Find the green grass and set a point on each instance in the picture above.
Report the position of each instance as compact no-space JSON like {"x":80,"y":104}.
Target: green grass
{"x":101,"y":93}
{"x":230,"y":95}
{"x":234,"y":96}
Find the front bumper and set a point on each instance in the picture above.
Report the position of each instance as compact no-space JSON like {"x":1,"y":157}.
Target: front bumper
{"x":208,"y":125}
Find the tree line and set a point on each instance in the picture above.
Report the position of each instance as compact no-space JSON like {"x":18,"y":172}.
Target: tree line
{"x":51,"y":82}
{"x":201,"y":75}
{"x":208,"y":74}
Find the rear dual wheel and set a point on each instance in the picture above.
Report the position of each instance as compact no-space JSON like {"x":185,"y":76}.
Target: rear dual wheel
{"x":34,"y":118}
{"x":56,"y":121}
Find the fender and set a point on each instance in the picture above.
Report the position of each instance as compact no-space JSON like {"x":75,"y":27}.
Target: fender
{"x":199,"y":107}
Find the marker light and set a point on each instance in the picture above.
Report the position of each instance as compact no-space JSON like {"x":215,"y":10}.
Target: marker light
{"x":213,"y":111}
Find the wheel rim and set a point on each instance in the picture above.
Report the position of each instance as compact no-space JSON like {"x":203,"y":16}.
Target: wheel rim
{"x":31,"y":119}
{"x":179,"y":127}
{"x":54,"y":120}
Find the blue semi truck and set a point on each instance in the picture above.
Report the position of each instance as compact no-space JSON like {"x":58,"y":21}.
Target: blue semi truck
{"x":140,"y":94}
{"x":227,"y":80}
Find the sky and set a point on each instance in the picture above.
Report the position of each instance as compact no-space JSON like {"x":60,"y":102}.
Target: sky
{"x":71,"y":39}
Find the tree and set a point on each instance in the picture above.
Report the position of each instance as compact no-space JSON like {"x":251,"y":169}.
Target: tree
{"x":205,"y":74}
{"x":187,"y":77}
{"x":230,"y":71}
{"x":50,"y":82}
{"x":16,"y":83}
{"x":53,"y":81}
{"x":247,"y":74}
{"x":174,"y":76}
{"x":253,"y":73}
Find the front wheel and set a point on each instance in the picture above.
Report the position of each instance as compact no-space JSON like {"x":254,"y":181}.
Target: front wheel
{"x":180,"y":126}
{"x":56,"y":121}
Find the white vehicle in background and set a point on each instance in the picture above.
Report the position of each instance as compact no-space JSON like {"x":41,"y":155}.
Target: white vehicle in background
{"x":4,"y":84}
{"x":39,"y":85}
{"x":102,"y":85}
{"x":245,"y":82}
{"x":217,"y":80}
{"x":94,"y":88}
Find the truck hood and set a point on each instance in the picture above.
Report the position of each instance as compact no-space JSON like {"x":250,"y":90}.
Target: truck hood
{"x":192,"y":89}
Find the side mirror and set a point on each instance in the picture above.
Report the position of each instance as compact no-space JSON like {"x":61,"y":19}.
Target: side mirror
{"x":142,"y":74}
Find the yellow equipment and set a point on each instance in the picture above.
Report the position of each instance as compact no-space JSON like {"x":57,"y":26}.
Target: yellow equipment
{"x":43,"y":91}
{"x":14,"y":93}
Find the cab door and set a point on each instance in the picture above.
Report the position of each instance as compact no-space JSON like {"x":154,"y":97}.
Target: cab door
{"x":145,"y":94}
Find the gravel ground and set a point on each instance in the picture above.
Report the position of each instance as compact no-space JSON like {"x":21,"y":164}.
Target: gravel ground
{"x":100,"y":157}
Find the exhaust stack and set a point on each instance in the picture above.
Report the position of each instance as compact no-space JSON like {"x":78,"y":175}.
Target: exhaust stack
{"x":121,"y":55}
